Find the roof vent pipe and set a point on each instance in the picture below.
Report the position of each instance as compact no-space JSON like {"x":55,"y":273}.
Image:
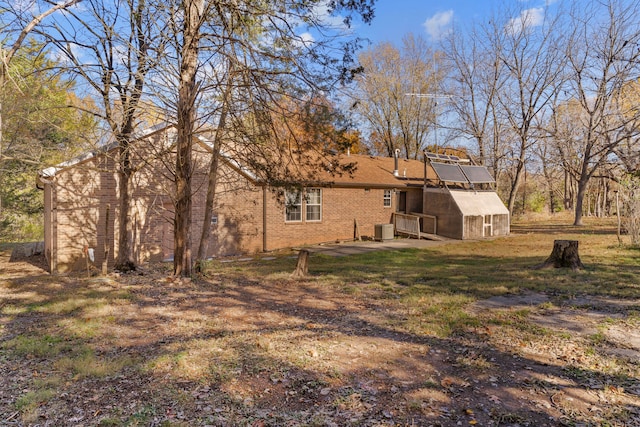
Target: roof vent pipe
{"x":395,"y":162}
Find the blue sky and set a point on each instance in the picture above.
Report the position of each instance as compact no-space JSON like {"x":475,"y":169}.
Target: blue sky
{"x":430,"y":18}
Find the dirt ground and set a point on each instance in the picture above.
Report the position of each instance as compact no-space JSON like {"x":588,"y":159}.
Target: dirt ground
{"x":225,"y":352}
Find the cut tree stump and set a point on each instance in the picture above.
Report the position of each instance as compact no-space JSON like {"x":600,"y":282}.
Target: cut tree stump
{"x":564,"y":255}
{"x":302,"y":267}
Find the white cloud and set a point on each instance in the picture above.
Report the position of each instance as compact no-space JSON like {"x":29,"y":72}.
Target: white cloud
{"x":321,"y":12}
{"x":528,"y":18}
{"x":306,"y":39}
{"x":439,"y":24}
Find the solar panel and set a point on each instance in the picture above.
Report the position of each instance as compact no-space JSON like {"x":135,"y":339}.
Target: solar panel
{"x":432,"y":156}
{"x":477,"y":174}
{"x":449,"y":172}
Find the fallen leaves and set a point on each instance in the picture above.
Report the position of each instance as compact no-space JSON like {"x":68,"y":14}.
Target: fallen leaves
{"x":270,"y":360}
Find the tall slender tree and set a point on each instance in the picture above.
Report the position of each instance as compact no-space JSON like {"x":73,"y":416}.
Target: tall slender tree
{"x":475,"y":78}
{"x":191,"y":32}
{"x":396,"y":95}
{"x":111,"y":46}
{"x":533,"y":59}
{"x":603,"y":51}
{"x":277,"y":50}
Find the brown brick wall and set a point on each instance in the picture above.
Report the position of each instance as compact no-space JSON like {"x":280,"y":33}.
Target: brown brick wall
{"x":79,"y":209}
{"x":81,"y":195}
{"x":341,"y":208}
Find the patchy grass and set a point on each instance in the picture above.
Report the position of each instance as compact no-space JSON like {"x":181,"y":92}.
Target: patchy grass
{"x":85,"y":364}
{"x":43,"y":391}
{"x":38,"y":346}
{"x":383,"y":338}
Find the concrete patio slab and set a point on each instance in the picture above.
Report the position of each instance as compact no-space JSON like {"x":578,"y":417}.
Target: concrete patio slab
{"x":361,"y":247}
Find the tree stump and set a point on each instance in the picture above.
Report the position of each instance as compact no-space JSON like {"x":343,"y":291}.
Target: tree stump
{"x":564,"y":254}
{"x":302,"y":267}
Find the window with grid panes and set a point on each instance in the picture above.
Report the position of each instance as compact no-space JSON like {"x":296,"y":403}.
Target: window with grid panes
{"x":314,"y":204}
{"x":293,"y":206}
{"x":387,"y":198}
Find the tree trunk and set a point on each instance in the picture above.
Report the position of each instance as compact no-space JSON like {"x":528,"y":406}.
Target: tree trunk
{"x":582,"y":190}
{"x":565,"y":254}
{"x":515,"y":185}
{"x":1,"y":155}
{"x":124,"y":260}
{"x":568,"y":192}
{"x":203,"y":247}
{"x":182,"y":219}
{"x":302,"y":267}
{"x":213,"y":177}
{"x":105,"y":246}
{"x":187,"y":94}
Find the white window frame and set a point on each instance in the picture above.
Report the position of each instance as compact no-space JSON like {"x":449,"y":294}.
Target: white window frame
{"x":487,"y":229}
{"x":313,"y":198}
{"x":292,"y":199}
{"x":386,"y":199}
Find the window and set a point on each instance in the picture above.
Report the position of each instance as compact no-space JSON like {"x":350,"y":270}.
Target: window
{"x":488,"y":226}
{"x":314,"y":204}
{"x":293,"y":206}
{"x":387,"y":198}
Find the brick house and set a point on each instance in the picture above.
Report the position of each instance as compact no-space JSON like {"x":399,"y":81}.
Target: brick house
{"x":250,"y":215}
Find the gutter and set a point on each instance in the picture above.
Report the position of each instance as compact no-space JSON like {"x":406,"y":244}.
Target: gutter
{"x":376,"y":185}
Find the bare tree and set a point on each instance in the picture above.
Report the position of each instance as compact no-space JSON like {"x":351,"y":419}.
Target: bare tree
{"x":550,"y":165}
{"x":111,"y":46}
{"x":212,"y":182}
{"x":604,"y":56}
{"x":475,"y":78}
{"x":397,"y":93}
{"x":533,"y":63}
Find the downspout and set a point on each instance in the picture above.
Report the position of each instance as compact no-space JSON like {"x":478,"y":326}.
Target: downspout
{"x":53,"y":263}
{"x":41,"y":184}
{"x":424,"y":153}
{"x":264,"y":218}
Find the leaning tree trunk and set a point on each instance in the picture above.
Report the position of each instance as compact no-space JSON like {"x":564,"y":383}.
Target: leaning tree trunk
{"x":203,"y":247}
{"x":564,"y":255}
{"x":213,"y":177}
{"x":520,"y":170}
